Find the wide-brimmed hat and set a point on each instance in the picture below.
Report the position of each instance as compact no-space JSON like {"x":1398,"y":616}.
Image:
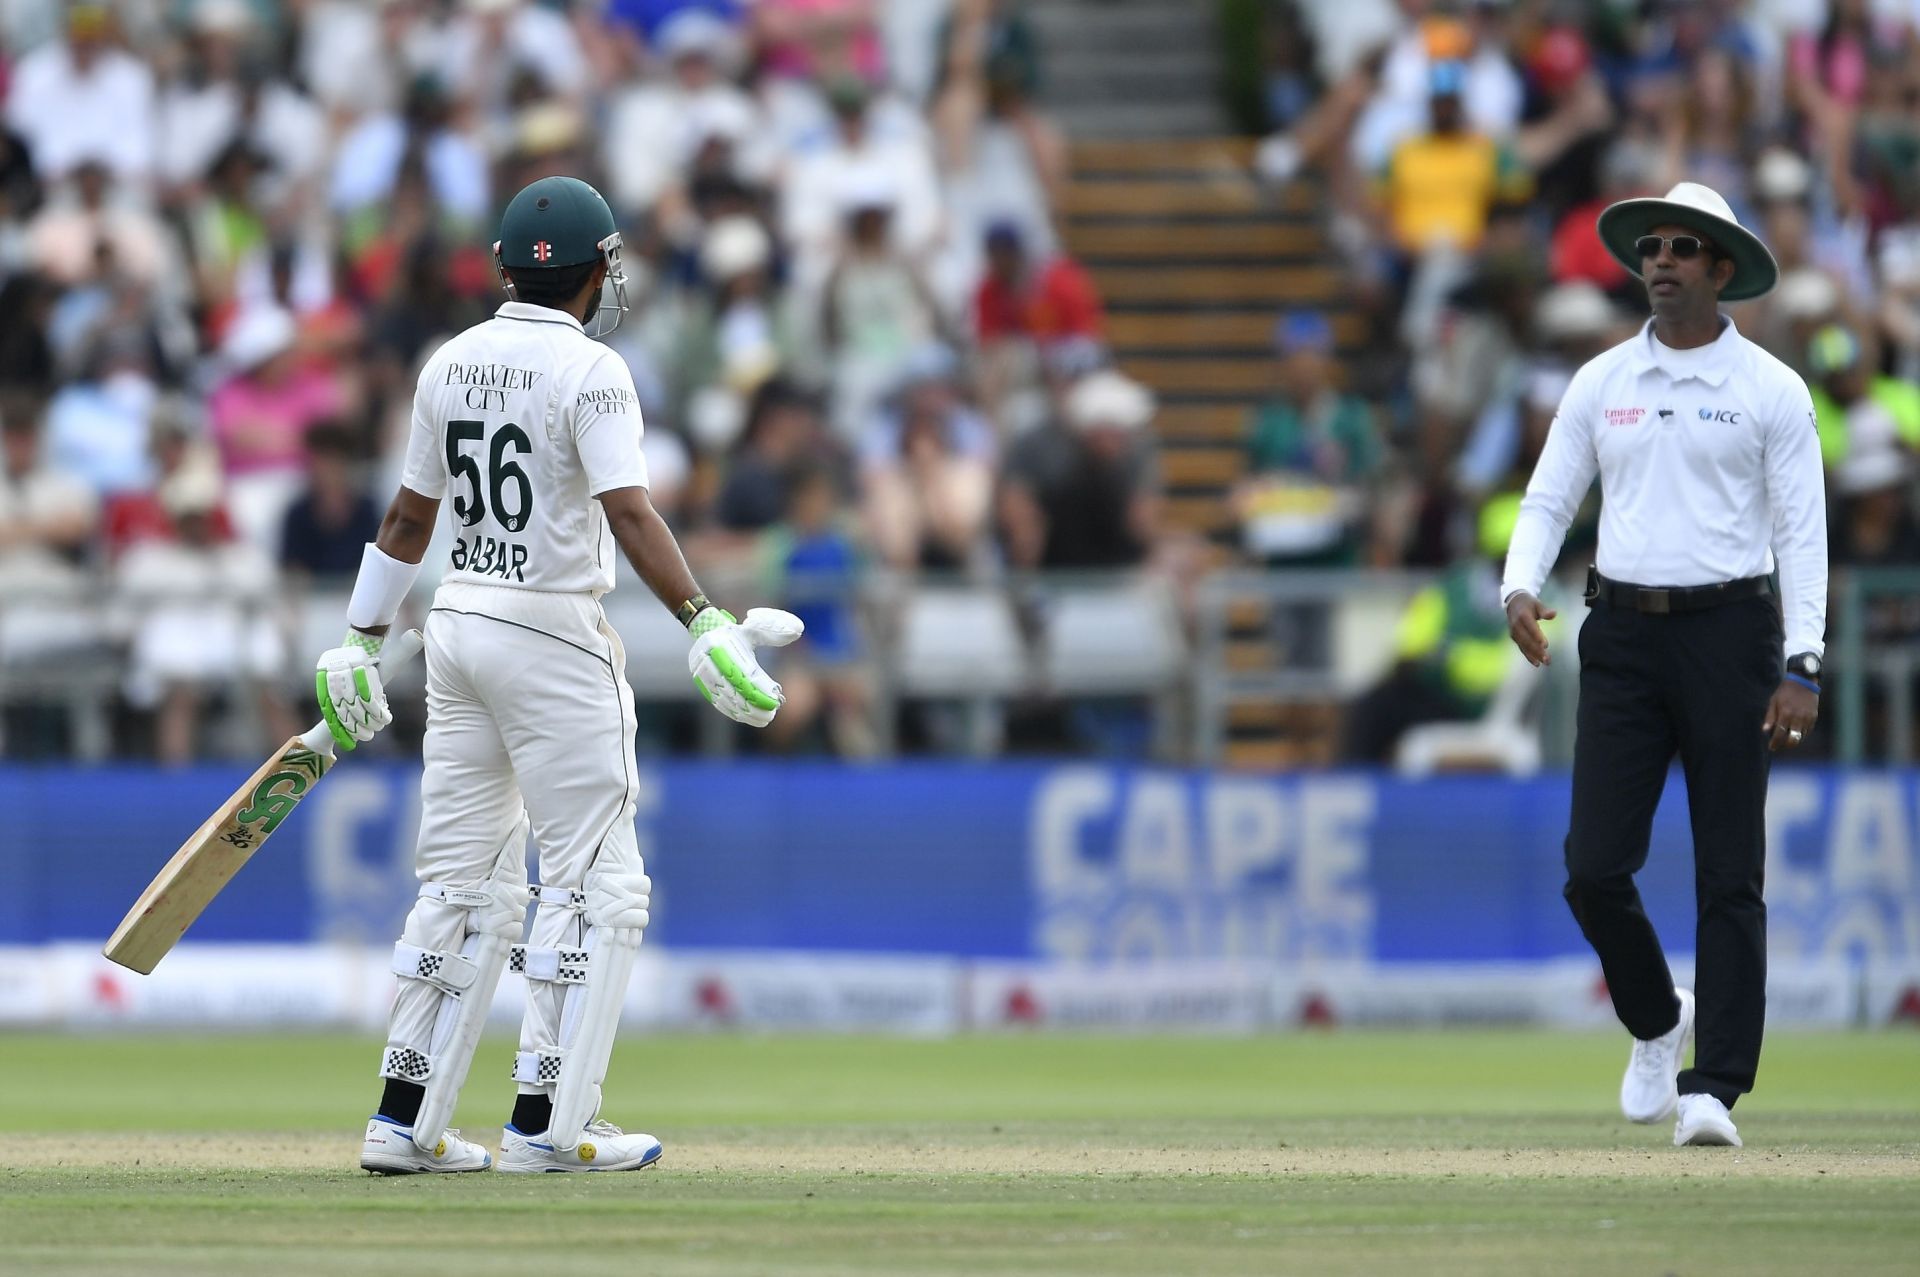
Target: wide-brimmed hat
{"x":1701,"y":209}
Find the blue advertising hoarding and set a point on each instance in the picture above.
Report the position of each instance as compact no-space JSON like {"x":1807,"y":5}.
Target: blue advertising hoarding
{"x":1016,"y":860}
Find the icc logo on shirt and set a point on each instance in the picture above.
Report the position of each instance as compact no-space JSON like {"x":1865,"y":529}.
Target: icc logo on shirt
{"x":1723,"y":414}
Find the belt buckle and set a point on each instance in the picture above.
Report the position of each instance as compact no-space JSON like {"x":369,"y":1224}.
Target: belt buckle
{"x":1656,"y":601}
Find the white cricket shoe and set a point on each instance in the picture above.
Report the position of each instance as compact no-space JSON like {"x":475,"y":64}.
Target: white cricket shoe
{"x":1650,"y":1090}
{"x":604,"y":1147}
{"x":389,"y":1150}
{"x":1704,"y":1120}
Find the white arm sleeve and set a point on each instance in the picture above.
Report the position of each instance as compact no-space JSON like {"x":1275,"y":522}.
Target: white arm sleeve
{"x":1560,"y":482}
{"x":1797,"y":498}
{"x":606,"y":427}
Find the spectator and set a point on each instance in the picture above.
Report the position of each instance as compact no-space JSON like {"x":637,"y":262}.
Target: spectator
{"x":1086,"y":494}
{"x":1714,"y":137}
{"x":1041,"y":300}
{"x":820,"y":39}
{"x":485,"y":46}
{"x":27,"y":300}
{"x":97,"y":424}
{"x":260,"y":417}
{"x":328,"y":526}
{"x":810,"y":560}
{"x":1440,"y":186}
{"x":733,"y":338}
{"x":64,"y":241}
{"x":1571,"y":324}
{"x":200,"y":627}
{"x":657,"y":126}
{"x":139,"y":515}
{"x":1576,"y":252}
{"x":1022,"y":309}
{"x":430,"y":137}
{"x":47,"y":517}
{"x":859,"y":155}
{"x":82,"y":98}
{"x":927,"y":472}
{"x":877,"y":308}
{"x":784,"y":427}
{"x":1312,"y":451}
{"x":1853,"y":407}
{"x":1451,"y":651}
{"x":1488,"y":90}
{"x":1003,"y":159}
{"x":1874,"y":523}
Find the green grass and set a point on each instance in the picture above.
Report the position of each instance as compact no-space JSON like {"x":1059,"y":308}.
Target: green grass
{"x":1355,"y":1152}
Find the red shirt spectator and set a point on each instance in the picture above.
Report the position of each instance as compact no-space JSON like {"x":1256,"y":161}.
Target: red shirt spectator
{"x":1055,"y":301}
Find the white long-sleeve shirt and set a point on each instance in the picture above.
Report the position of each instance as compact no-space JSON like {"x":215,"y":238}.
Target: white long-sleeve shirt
{"x":1709,"y":466}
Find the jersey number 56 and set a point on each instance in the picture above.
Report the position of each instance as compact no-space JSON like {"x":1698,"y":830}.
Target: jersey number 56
{"x":503,"y":474}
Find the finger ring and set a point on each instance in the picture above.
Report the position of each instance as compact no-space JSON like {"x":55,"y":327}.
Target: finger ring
{"x":1794,"y":734}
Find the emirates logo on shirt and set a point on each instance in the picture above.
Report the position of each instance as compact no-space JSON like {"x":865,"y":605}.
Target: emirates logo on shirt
{"x":1625,"y":416}
{"x":542,"y":250}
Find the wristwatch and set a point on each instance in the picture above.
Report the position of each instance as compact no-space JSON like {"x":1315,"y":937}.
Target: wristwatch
{"x":1806,"y":665}
{"x":691,"y":608}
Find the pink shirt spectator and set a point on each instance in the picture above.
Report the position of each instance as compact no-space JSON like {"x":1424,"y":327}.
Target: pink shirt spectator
{"x":261,"y":424}
{"x":798,"y":30}
{"x":1842,"y":71}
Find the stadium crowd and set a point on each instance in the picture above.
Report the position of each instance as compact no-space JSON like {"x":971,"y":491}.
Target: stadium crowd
{"x":1468,"y":148}
{"x":230,"y":232}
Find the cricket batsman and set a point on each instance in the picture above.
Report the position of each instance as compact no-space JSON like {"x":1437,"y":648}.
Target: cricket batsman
{"x":535,"y":428}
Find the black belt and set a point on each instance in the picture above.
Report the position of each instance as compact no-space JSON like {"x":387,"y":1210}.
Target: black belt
{"x":1673,"y":598}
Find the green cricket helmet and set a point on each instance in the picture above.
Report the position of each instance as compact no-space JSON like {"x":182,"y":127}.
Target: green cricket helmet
{"x":557,"y":222}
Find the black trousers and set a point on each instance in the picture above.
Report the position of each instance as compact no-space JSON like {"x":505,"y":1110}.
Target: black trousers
{"x":1696,"y":684}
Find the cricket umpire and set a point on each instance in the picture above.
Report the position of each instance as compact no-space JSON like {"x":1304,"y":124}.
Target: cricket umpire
{"x":1709,"y":467}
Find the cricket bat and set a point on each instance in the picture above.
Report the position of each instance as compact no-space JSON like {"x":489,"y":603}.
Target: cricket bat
{"x":207,"y":862}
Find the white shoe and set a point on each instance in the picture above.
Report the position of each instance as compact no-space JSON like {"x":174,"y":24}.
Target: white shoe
{"x":389,"y":1150}
{"x":1650,"y":1090}
{"x":604,"y":1147}
{"x":1704,"y":1120}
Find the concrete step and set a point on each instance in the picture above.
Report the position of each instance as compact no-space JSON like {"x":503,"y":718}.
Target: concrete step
{"x":1120,"y":26}
{"x":1185,"y":118}
{"x":1245,"y":375}
{"x":1247,"y":331}
{"x":1202,"y":467}
{"x":1150,"y":157}
{"x":1274,"y":285}
{"x":1196,"y":242}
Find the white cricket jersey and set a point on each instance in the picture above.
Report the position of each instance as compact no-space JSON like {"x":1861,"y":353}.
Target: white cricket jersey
{"x":1709,"y":465}
{"x":519,"y":423}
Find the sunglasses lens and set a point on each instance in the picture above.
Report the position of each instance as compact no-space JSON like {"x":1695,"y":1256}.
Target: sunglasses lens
{"x":1647,"y":246}
{"x":1685,"y":246}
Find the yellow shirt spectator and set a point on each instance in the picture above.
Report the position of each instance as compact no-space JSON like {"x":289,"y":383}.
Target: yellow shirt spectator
{"x":1440,"y":187}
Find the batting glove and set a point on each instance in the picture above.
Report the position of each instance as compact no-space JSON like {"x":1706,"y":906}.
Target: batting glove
{"x":346,"y":682}
{"x":725,"y":669}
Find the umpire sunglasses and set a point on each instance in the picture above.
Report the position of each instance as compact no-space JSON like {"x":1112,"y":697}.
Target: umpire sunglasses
{"x":1683,"y":246}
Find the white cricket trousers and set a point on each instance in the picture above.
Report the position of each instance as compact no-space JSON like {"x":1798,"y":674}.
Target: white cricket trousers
{"x":527,"y":708}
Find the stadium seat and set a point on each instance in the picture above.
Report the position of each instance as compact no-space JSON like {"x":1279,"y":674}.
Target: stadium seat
{"x":1111,"y":640}
{"x":960,"y":643}
{"x":1502,"y":739}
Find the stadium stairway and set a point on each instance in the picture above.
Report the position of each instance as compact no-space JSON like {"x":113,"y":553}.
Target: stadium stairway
{"x":1195,"y":259}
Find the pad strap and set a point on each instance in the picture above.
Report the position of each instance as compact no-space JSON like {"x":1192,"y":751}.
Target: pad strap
{"x":559,"y":898}
{"x":536,"y":1068}
{"x":457,"y":896}
{"x":407,"y":1064}
{"x":554,"y":966}
{"x":453,"y":973}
